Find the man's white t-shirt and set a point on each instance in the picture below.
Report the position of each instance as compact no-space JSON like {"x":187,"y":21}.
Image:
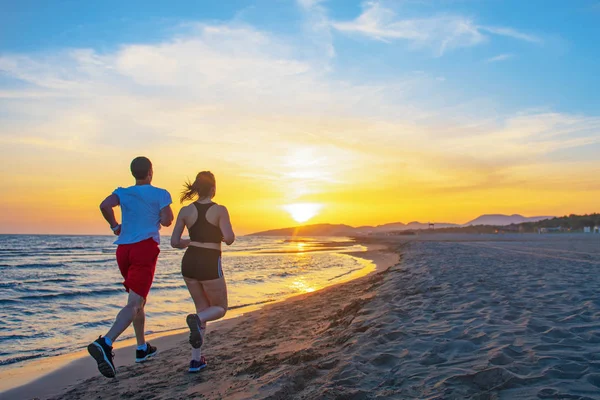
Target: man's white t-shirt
{"x":140,"y":209}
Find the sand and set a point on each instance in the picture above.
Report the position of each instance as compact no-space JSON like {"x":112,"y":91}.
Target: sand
{"x":492,"y":318}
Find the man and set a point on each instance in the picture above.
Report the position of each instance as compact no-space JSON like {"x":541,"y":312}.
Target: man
{"x":144,"y":209}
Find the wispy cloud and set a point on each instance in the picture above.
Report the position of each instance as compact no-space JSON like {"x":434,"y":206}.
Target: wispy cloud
{"x":440,"y":33}
{"x":308,"y":4}
{"x":500,"y":57}
{"x":512,"y":33}
{"x":216,"y":91}
{"x":318,"y":27}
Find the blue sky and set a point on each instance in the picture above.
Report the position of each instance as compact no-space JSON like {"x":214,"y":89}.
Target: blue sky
{"x":559,"y":71}
{"x":443,"y":109}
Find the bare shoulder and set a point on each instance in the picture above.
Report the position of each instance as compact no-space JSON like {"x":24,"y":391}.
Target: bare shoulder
{"x":222,"y":209}
{"x":187,"y":210}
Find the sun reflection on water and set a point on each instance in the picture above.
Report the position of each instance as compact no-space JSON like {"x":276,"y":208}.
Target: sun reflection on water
{"x":302,"y":286}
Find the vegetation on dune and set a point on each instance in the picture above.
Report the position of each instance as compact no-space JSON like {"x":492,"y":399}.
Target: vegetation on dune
{"x":568,"y":223}
{"x":571,"y":222}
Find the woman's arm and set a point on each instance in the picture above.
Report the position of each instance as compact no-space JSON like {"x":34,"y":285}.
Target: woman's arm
{"x":176,"y":240}
{"x":225,"y":225}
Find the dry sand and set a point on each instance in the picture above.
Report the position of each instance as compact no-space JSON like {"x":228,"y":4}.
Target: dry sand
{"x":455,"y":319}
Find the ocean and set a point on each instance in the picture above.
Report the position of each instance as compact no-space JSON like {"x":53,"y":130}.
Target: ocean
{"x":58,"y":293}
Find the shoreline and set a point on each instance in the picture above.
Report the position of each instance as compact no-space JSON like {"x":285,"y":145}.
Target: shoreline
{"x":54,"y":375}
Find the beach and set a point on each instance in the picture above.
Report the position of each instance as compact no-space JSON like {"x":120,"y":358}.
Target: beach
{"x":74,"y":282}
{"x":443,"y":317}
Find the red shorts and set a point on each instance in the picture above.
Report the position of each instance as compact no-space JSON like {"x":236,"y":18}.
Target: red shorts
{"x":137,"y":262}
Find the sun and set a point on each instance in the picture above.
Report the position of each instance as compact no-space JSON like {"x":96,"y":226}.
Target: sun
{"x":302,"y":212}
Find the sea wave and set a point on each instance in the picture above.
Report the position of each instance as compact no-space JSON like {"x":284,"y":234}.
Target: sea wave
{"x":96,"y":261}
{"x":284,"y":274}
{"x":15,"y":284}
{"x":344,"y":274}
{"x":94,"y":324}
{"x":38,"y":265}
{"x":251,"y":304}
{"x":117,"y":288}
{"x":71,"y":248}
{"x":69,"y":295}
{"x":13,"y":360}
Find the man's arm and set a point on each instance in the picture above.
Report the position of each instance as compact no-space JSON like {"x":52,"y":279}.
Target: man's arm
{"x":166,"y":213}
{"x":166,"y":216}
{"x":106,"y":207}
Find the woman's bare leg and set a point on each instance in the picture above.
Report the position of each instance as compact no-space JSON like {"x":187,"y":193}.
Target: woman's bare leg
{"x":200,"y":302}
{"x":216,"y":293}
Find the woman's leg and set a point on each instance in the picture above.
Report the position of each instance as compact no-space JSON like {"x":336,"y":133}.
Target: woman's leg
{"x":200,"y":302}
{"x":216,"y":293}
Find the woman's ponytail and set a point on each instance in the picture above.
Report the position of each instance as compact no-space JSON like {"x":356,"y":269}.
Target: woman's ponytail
{"x":201,"y":187}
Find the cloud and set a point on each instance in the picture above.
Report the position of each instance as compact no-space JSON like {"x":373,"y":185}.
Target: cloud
{"x":500,"y":57}
{"x":440,"y":33}
{"x":318,"y":28}
{"x":512,"y":33}
{"x":309,"y":4}
{"x":235,"y":93}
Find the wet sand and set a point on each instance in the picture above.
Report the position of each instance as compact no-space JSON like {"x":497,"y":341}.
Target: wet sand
{"x":493,"y":317}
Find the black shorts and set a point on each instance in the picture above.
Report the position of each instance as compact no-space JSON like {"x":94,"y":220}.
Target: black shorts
{"x":201,"y":264}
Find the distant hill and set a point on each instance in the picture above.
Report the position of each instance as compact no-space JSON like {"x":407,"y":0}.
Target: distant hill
{"x":570,"y":223}
{"x":311,"y":230}
{"x":346,"y":230}
{"x":503,"y":220}
{"x":419,"y":225}
{"x":492,"y":223}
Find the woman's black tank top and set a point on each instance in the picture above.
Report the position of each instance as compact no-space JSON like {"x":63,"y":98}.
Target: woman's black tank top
{"x":203,"y":231}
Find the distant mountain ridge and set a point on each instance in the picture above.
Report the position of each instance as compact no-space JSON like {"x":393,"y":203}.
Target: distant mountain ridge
{"x":310,"y":230}
{"x":503,"y":220}
{"x":347,"y":230}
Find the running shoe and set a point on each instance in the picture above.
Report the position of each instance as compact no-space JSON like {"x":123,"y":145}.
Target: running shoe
{"x":103,"y":355}
{"x":143,"y":355}
{"x":196,"y":334}
{"x":196,"y":366}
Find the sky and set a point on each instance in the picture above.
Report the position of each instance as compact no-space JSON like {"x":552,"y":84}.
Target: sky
{"x":369,"y":112}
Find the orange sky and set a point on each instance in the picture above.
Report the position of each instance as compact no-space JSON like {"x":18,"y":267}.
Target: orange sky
{"x":63,"y":195}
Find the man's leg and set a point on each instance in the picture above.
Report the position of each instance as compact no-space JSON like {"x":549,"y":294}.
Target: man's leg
{"x":101,"y":349}
{"x":135,"y":304}
{"x":139,"y":322}
{"x":143,"y":258}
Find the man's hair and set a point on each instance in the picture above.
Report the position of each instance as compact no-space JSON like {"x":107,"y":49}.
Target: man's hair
{"x":140,"y":167}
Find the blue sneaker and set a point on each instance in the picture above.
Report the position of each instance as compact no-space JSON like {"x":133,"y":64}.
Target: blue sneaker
{"x":103,"y":355}
{"x":196,"y":366}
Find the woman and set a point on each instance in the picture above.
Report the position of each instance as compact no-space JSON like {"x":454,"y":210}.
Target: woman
{"x":208,"y":225}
